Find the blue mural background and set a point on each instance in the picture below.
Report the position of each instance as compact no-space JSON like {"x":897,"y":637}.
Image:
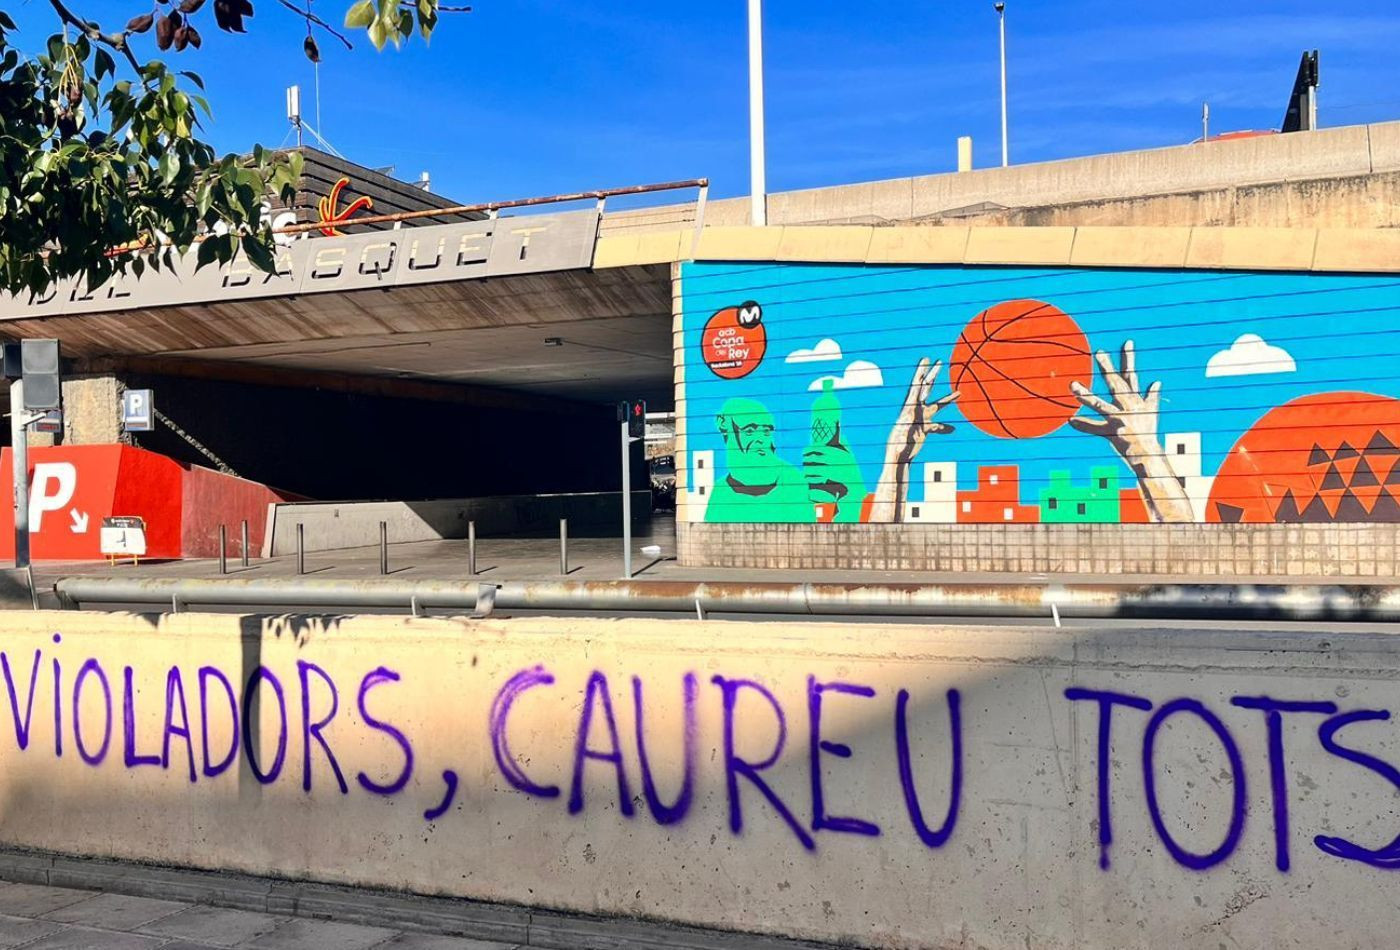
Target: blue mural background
{"x":1341,"y":332}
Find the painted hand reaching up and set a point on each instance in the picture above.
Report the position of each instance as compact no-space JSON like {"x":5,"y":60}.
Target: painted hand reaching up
{"x":915,"y":424}
{"x":916,"y":418}
{"x":1129,"y":423}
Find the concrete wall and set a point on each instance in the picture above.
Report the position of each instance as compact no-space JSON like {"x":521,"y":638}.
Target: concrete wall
{"x":92,"y":410}
{"x":1341,"y":177}
{"x":887,"y":786}
{"x":332,"y":525}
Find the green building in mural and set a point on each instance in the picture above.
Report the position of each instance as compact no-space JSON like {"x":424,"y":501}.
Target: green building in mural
{"x":1097,"y":503}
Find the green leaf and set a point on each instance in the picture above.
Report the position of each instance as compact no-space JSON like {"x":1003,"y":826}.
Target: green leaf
{"x":360,"y":15}
{"x":259,"y":254}
{"x":169,"y":167}
{"x":207,"y":253}
{"x":378,"y":34}
{"x":104,"y":64}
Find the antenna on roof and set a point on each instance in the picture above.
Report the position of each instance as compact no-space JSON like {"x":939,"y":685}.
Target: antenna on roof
{"x":298,"y":123}
{"x":294,"y":110}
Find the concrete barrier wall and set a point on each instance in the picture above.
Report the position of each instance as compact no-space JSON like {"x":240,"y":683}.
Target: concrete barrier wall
{"x":888,"y":786}
{"x":1114,"y":188}
{"x":331,"y":525}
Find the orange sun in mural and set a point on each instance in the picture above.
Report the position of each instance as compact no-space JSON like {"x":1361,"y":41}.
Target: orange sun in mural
{"x":1322,"y":458}
{"x":1013,"y":365}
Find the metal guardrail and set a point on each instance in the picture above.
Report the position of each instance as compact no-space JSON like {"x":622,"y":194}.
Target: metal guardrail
{"x":1087,"y":601}
{"x":492,"y":208}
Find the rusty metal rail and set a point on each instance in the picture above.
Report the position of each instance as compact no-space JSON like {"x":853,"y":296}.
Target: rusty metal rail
{"x":491,"y":207}
{"x":1091,"y":601}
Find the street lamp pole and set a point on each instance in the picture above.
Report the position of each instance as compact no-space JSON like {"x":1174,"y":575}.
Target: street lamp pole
{"x":1001,"y":22}
{"x":758,"y":186}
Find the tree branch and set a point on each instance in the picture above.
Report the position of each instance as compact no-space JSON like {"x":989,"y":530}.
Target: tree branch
{"x":310,"y":17}
{"x":92,"y":31}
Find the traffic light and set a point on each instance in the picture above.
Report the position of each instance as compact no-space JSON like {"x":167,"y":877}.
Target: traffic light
{"x":36,"y":362}
{"x":39,"y":362}
{"x":634,"y":413}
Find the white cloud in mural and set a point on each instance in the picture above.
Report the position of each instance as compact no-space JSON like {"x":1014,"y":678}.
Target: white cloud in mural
{"x":859,"y":374}
{"x":823,"y":351}
{"x":1251,"y":356}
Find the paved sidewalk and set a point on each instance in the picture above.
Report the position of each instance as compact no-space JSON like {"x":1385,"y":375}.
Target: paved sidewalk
{"x":39,"y":917}
{"x":62,"y":902}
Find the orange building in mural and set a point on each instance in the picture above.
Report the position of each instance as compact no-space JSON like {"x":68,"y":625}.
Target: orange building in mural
{"x":997,"y":498}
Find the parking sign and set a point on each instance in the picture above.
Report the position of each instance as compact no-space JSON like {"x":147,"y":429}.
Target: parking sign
{"x":137,"y":410}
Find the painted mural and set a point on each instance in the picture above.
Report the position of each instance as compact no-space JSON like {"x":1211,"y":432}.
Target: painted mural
{"x":847,"y":393}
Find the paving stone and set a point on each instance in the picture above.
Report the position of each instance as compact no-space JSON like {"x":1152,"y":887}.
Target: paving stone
{"x":303,"y":934}
{"x":86,"y":938}
{"x":435,"y":942}
{"x":35,"y":900}
{"x":216,"y":926}
{"x":15,"y":931}
{"x":116,"y":911}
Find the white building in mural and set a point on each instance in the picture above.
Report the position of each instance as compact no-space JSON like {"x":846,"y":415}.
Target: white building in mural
{"x":940,"y":502}
{"x":1184,"y":455}
{"x":702,"y":485}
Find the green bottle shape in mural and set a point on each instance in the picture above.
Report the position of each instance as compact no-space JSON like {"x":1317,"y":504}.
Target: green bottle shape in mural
{"x":833,"y":476}
{"x":826,"y":416}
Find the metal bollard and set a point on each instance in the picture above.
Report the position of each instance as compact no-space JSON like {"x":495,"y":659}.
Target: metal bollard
{"x":223,"y":549}
{"x":471,"y":548}
{"x":383,"y":547}
{"x":245,"y":542}
{"x":563,"y":545}
{"x":301,"y":549}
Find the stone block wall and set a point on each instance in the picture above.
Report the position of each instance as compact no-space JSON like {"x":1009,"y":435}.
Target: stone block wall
{"x":1207,"y":550}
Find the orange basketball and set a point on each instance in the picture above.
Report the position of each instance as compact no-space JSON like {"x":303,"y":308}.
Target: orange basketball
{"x":1013,"y":365}
{"x":1329,"y":457}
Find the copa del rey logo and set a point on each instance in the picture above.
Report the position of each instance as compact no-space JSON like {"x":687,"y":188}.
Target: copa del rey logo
{"x":734,"y":341}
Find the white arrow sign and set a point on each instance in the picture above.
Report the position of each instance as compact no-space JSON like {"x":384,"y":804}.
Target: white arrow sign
{"x":80,"y":521}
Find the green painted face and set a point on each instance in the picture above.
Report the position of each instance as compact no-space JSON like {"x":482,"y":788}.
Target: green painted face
{"x":747,"y":428}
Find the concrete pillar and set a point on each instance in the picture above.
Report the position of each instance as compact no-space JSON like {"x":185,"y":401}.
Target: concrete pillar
{"x":964,"y":153}
{"x":92,"y":410}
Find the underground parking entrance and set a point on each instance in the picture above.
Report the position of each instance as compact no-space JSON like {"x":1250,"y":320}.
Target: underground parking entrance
{"x":427,"y":407}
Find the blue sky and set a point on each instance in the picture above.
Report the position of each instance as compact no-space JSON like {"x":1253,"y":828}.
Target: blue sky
{"x":537,"y":97}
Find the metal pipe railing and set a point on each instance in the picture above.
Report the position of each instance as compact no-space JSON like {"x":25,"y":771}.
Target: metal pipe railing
{"x":491,"y":207}
{"x":1092,"y":601}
